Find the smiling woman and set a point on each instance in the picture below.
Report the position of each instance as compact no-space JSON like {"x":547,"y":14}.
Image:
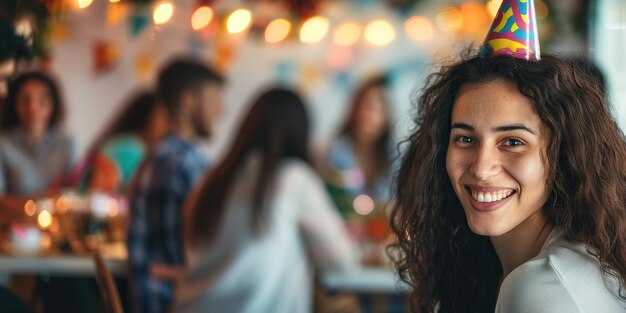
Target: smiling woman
{"x":510,"y":193}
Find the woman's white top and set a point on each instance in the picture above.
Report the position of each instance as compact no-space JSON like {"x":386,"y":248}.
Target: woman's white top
{"x":243,"y":272}
{"x":563,"y":278}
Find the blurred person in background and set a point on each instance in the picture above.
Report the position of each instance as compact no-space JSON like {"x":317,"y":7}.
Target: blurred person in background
{"x":359,"y":160}
{"x":191,"y":94}
{"x":258,"y":218}
{"x":35,"y":158}
{"x":117,"y":152}
{"x":35,"y":154}
{"x":14,"y":54}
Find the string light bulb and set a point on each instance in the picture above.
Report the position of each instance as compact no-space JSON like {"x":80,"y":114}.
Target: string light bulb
{"x":419,"y":28}
{"x":83,"y":4}
{"x":163,"y":12}
{"x":277,"y":30}
{"x":44,"y":219}
{"x":314,"y":29}
{"x":239,"y":21}
{"x":450,"y":19}
{"x":347,"y":34}
{"x":379,"y":33}
{"x":201,"y":17}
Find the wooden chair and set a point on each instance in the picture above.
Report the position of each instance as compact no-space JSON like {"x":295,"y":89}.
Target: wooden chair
{"x":108,"y":289}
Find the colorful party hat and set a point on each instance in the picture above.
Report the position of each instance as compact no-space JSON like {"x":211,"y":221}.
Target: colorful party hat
{"x":514,"y":31}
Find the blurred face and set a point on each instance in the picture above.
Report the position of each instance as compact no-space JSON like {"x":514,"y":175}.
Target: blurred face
{"x":158,"y":125}
{"x":371,"y":115}
{"x":208,"y":110}
{"x":34,"y":106}
{"x":495,"y":159}
{"x":7,"y":69}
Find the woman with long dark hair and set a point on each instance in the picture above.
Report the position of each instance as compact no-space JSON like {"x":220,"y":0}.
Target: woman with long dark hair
{"x":258,"y":217}
{"x":359,"y":160}
{"x":510,"y":196}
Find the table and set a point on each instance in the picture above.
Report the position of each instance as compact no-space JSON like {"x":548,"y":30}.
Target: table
{"x":65,"y":264}
{"x":363,"y":280}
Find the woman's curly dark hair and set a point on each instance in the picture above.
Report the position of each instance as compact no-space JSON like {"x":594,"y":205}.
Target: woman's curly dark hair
{"x":436,"y":252}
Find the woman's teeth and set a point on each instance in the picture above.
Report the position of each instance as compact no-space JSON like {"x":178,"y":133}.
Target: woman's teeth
{"x":491,"y":196}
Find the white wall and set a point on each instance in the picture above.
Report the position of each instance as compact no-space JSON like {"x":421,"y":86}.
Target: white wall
{"x":92,"y":99}
{"x":610,"y":52}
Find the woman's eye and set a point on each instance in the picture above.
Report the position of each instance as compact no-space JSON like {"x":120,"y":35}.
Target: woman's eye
{"x":513,"y":142}
{"x":464,"y":139}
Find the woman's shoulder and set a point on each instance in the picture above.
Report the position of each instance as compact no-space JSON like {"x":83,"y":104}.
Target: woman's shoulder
{"x":564,"y":277}
{"x":535,"y":286}
{"x":295,"y":169}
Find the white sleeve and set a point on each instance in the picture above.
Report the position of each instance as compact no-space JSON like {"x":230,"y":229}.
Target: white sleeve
{"x":322,"y":226}
{"x":535,"y":289}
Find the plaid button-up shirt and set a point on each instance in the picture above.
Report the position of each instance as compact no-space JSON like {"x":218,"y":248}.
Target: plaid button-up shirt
{"x":155,"y":227}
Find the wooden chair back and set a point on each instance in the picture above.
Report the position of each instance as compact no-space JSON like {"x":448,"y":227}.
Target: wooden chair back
{"x":106,"y":284}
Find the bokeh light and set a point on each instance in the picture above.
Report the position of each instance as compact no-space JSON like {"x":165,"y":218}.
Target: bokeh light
{"x":450,"y":19}
{"x":201,"y":17}
{"x":30,"y":208}
{"x":277,"y":30}
{"x":363,"y":204}
{"x":83,"y":4}
{"x":379,"y":33}
{"x":239,"y":21}
{"x":475,"y":17}
{"x":44,"y":219}
{"x":163,"y":12}
{"x":419,"y":28}
{"x":493,"y":6}
{"x":62,"y":205}
{"x":314,"y":29}
{"x":347,"y":34}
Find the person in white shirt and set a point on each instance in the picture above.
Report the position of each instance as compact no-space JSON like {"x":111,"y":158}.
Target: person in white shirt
{"x":262,"y":220}
{"x":510,"y":196}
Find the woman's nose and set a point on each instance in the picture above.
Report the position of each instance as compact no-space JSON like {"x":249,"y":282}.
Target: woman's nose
{"x":486,"y":163}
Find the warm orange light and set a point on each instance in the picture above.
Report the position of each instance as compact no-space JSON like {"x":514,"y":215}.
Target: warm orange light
{"x":44,"y":219}
{"x":314,"y":29}
{"x":277,"y":30}
{"x":419,"y":28}
{"x":62,"y":205}
{"x":82,"y":4}
{"x":114,"y":1}
{"x":30,"y":208}
{"x":239,"y":21}
{"x":347,"y":34}
{"x":201,"y":17}
{"x":450,"y":19}
{"x":475,"y":16}
{"x":493,"y":6}
{"x":379,"y":33}
{"x":163,"y":12}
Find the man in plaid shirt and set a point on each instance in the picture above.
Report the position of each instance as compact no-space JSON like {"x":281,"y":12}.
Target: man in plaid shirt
{"x":191,"y":93}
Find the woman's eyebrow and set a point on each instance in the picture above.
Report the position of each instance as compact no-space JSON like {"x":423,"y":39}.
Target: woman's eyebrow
{"x":498,"y":129}
{"x":462,"y":126}
{"x":510,"y":127}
